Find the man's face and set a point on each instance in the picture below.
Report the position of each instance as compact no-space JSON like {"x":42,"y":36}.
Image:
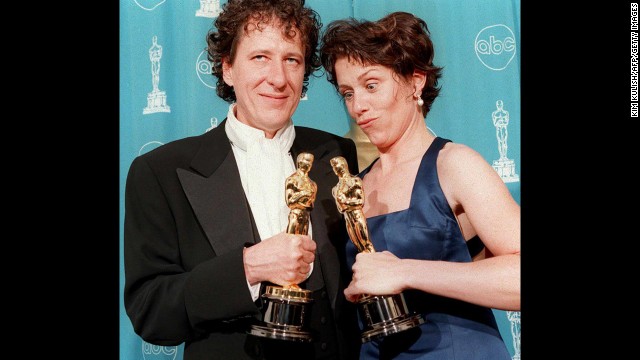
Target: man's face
{"x":266,"y":75}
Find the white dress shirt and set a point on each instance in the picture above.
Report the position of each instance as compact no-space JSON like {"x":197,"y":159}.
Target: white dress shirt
{"x":264,"y":165}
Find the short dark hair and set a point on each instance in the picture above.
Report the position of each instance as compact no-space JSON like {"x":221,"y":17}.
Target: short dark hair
{"x":236,"y":15}
{"x":399,"y":41}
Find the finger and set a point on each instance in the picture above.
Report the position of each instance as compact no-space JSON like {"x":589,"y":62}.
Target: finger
{"x":350,"y":294}
{"x":353,"y":298}
{"x":388,"y":253}
{"x":359,"y":256}
{"x":308,"y":257}
{"x":308,"y":244}
{"x":294,"y":278}
{"x":304,"y":269}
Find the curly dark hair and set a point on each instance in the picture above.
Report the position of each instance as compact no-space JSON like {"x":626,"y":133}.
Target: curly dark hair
{"x":399,"y":41}
{"x":235,"y":17}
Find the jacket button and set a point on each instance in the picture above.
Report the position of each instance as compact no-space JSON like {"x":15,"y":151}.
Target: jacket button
{"x":323,"y":294}
{"x":323,"y":346}
{"x":323,"y":320}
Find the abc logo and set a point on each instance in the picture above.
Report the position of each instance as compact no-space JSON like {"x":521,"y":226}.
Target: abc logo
{"x":149,"y":146}
{"x":156,"y":352}
{"x":495,"y":46}
{"x":149,"y":5}
{"x":203,"y":69}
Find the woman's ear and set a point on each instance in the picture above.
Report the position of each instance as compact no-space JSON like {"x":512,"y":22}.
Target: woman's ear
{"x":419,"y":79}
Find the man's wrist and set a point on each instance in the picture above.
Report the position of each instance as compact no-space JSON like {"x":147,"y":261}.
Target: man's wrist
{"x":246,"y":255}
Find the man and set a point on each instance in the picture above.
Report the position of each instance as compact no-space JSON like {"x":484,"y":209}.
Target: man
{"x":205,"y":216}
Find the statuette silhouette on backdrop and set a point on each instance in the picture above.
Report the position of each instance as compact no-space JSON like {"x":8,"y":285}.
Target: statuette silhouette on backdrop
{"x":156,"y":99}
{"x":514,"y":319}
{"x":383,"y":314}
{"x":288,"y":306}
{"x":214,"y":124}
{"x":505,"y":167}
{"x":209,"y":8}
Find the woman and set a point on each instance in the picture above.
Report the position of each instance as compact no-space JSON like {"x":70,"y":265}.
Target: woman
{"x":425,"y":197}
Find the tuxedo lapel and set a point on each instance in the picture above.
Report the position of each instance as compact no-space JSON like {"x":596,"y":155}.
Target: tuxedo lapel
{"x":214,"y":180}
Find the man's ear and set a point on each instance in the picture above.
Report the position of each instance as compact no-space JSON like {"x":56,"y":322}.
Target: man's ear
{"x":227,"y":71}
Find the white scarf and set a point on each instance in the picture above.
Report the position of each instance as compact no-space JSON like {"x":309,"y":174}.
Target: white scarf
{"x":264,"y":171}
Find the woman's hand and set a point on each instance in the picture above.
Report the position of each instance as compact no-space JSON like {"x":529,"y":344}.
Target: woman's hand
{"x":376,"y":273}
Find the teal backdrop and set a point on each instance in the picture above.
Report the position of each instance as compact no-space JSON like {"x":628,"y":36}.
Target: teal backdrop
{"x":167,"y":93}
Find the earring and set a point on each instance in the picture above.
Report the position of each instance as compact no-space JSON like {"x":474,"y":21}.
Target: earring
{"x":420,"y":101}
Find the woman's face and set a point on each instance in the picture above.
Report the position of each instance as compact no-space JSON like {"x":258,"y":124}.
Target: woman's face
{"x":378,"y":100}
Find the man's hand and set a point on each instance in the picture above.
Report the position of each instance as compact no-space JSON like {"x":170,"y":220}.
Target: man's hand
{"x":284,"y":259}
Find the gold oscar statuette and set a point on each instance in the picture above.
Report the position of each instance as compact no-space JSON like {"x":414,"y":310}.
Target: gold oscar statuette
{"x":288,"y":306}
{"x":383,"y":314}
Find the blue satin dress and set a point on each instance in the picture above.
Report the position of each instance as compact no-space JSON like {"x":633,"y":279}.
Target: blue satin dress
{"x":428,"y":230}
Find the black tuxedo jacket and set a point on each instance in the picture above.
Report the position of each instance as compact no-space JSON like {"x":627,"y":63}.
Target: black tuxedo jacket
{"x":187,"y":221}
